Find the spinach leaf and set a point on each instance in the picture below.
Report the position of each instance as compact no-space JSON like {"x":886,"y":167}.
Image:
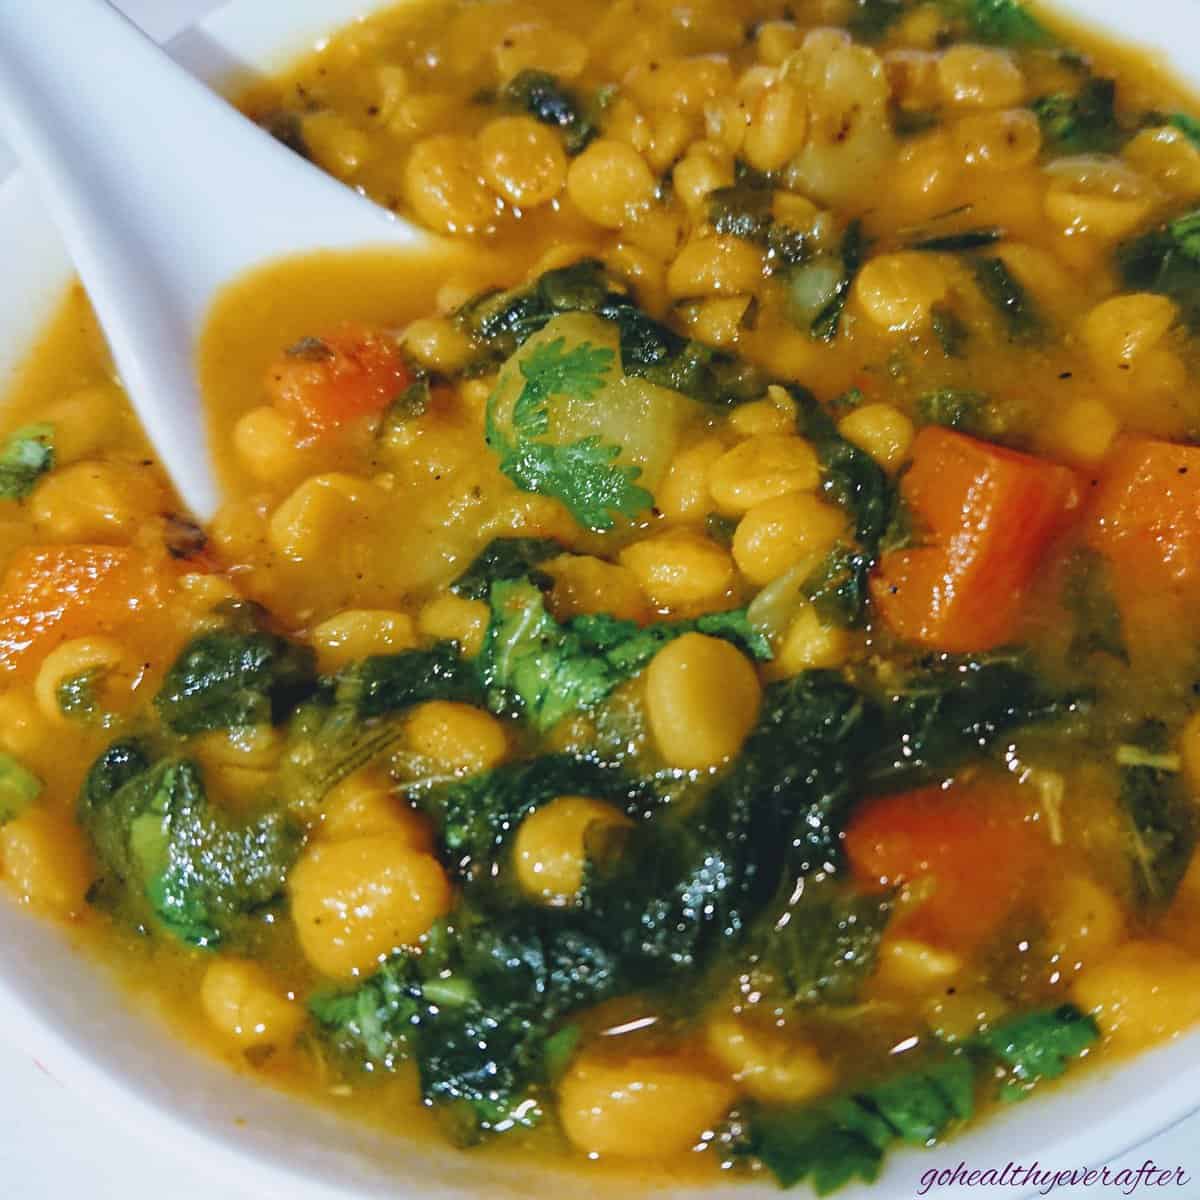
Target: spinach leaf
{"x":869,"y":20}
{"x":967,"y":239}
{"x":551,"y":102}
{"x":1002,"y":290}
{"x":1160,"y":816}
{"x":27,"y":455}
{"x":1005,"y":23}
{"x":532,"y":664}
{"x":838,"y":587}
{"x":506,"y":558}
{"x":1186,"y":124}
{"x":746,"y":210}
{"x":853,"y":252}
{"x":157,"y":835}
{"x":388,"y":683}
{"x":949,"y":329}
{"x":230,"y":678}
{"x":968,"y":412}
{"x":1083,"y":123}
{"x":76,"y":696}
{"x":19,"y":788}
{"x":1166,"y":260}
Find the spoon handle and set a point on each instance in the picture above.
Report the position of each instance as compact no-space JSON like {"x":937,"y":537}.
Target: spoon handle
{"x":163,"y":194}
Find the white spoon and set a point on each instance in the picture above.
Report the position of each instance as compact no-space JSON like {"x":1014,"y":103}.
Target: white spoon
{"x":163,"y":194}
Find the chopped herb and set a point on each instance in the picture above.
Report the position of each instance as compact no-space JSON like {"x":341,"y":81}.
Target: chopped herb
{"x":949,"y":329}
{"x":1186,"y":124}
{"x":1001,"y":289}
{"x":746,"y":210}
{"x":1004,"y":23}
{"x":27,"y":456}
{"x":581,"y":474}
{"x":1038,"y":1045}
{"x":967,"y":239}
{"x":19,"y":788}
{"x":1083,"y":123}
{"x":549,"y":101}
{"x":76,"y":695}
{"x":837,"y":588}
{"x":506,"y":558}
{"x":968,"y":412}
{"x":411,"y":404}
{"x":1166,"y":260}
{"x":869,"y":20}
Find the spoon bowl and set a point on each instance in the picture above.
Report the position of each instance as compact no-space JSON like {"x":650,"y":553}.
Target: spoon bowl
{"x":158,"y":225}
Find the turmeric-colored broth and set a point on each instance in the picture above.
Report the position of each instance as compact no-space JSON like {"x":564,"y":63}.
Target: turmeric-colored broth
{"x":933,"y":433}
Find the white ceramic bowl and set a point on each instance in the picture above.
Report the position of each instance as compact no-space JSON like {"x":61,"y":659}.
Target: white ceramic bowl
{"x":56,"y":1004}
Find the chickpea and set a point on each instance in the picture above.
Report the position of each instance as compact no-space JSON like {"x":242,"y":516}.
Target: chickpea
{"x":437,"y":343}
{"x":680,"y":569}
{"x":1167,"y":156}
{"x":542,"y":48}
{"x":87,"y":422}
{"x":700,"y":173}
{"x":1143,"y":993}
{"x":671,"y":132}
{"x":683,"y":85}
{"x":683,"y":495}
{"x":776,"y":41}
{"x":1084,"y":922}
{"x":910,"y":966}
{"x":583,"y":584}
{"x":355,"y":901}
{"x":762,"y":468}
{"x":772,"y":1068}
{"x":457,"y":737}
{"x":1120,"y":330}
{"x":649,"y":1107}
{"x":643,"y":271}
{"x":365,"y":804}
{"x":772,"y":415}
{"x":443,"y":184}
{"x":702,"y":698}
{"x":809,"y":644}
{"x":1104,"y":198}
{"x":253,"y":746}
{"x":780,"y":532}
{"x":334,"y":143}
{"x":359,"y":632}
{"x":550,"y":851}
{"x":719,"y":321}
{"x":523,"y":161}
{"x":44,"y":861}
{"x":243,"y":1005}
{"x":958,"y":1013}
{"x":608,"y":179}
{"x":999,"y":141}
{"x":881,"y":431}
{"x":896,"y":291}
{"x":455,"y":619}
{"x":24,"y":729}
{"x":777,"y":128}
{"x":317,"y":517}
{"x":265,"y":443}
{"x":979,"y":77}
{"x":1083,"y":432}
{"x":715,"y":265}
{"x":95,"y":502}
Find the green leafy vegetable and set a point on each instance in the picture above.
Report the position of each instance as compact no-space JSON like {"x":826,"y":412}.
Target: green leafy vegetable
{"x":581,"y":474}
{"x":229,"y":678}
{"x":1083,"y":123}
{"x":1002,"y":290}
{"x":949,"y":329}
{"x":549,"y":101}
{"x":746,"y":211}
{"x":1186,"y":124}
{"x":388,"y":683}
{"x":832,"y":1142}
{"x":853,"y":251}
{"x":1005,"y":23}
{"x":506,"y":558}
{"x":19,"y":788}
{"x":869,"y":20}
{"x":1161,"y":821}
{"x":1096,"y":619}
{"x":1038,"y":1045}
{"x":27,"y":456}
{"x":968,"y":412}
{"x":1166,"y":260}
{"x":967,"y":239}
{"x":76,"y":695}
{"x":837,"y":588}
{"x":547,"y":671}
{"x":156,"y":833}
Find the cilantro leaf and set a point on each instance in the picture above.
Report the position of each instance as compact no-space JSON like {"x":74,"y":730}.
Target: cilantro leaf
{"x":19,"y":788}
{"x":1038,"y":1045}
{"x":582,"y":474}
{"x":1005,"y":23}
{"x":27,"y":456}
{"x":1186,"y":124}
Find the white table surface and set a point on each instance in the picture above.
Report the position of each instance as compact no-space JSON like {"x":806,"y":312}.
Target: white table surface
{"x":52,"y":1147}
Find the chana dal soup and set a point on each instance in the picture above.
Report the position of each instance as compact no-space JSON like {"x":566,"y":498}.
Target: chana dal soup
{"x":700,"y":669}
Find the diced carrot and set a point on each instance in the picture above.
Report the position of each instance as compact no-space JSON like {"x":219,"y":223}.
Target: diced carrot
{"x":326,"y":383}
{"x":1145,"y":518}
{"x":965,"y":854}
{"x":49,"y":595}
{"x":990,"y":514}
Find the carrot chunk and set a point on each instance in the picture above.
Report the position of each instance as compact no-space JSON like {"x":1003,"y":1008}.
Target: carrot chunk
{"x":965,"y":854}
{"x":990,"y":514}
{"x":50,"y":595}
{"x":326,"y":383}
